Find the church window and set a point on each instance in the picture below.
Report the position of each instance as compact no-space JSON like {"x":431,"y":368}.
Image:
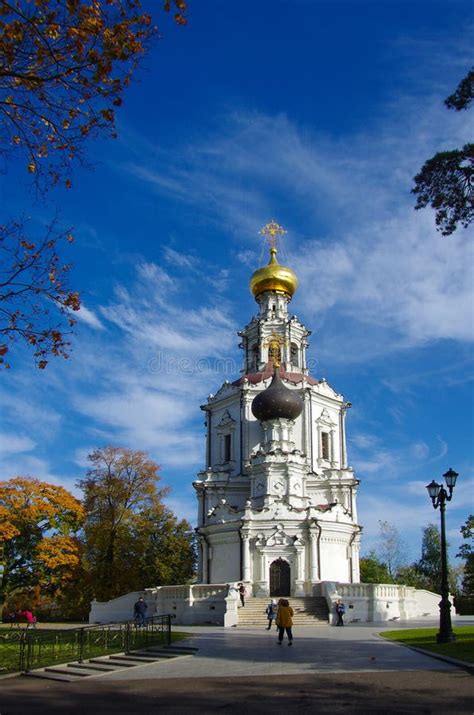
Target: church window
{"x":227,"y":447}
{"x":254,"y":358}
{"x":325,"y":445}
{"x":294,"y":354}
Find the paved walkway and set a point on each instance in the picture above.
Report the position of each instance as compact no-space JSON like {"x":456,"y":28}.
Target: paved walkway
{"x":225,"y":652}
{"x":328,"y":670}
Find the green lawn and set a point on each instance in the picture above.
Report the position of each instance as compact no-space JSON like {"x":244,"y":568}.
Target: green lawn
{"x":53,"y":646}
{"x":462,"y":647}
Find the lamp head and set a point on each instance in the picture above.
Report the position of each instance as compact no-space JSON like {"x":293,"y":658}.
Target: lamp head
{"x":450,"y":478}
{"x":433,"y":489}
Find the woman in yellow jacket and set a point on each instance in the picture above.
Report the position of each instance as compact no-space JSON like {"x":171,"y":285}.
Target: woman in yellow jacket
{"x":284,"y":620}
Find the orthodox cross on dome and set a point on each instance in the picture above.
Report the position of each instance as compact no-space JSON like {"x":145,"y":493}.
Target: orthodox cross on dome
{"x":272,"y":231}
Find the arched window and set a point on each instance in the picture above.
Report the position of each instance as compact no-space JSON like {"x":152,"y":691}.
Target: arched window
{"x":294,"y":355}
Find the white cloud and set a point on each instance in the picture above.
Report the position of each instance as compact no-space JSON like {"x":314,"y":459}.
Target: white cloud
{"x":89,"y":317}
{"x":184,"y":506}
{"x":13,"y":444}
{"x":381,"y":270}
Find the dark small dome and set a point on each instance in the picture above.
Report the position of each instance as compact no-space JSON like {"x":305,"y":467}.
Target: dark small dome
{"x":276,"y":401}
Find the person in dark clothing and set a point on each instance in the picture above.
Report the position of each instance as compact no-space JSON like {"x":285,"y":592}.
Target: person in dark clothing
{"x":242,"y":594}
{"x":284,"y":620}
{"x":139,"y":611}
{"x":271,"y":611}
{"x":340,"y":610}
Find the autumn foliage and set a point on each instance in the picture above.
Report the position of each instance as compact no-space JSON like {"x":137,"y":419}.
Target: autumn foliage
{"x":34,"y":294}
{"x":64,"y":65}
{"x":39,"y":526}
{"x":59,"y":552}
{"x":132,"y":539}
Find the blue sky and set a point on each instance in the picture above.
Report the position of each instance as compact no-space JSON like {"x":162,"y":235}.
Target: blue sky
{"x":316,"y":114}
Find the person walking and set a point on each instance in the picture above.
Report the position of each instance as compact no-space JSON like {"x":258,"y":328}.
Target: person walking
{"x":139,"y":611}
{"x":284,"y":620}
{"x":29,"y":618}
{"x":242,"y":594}
{"x":340,"y":610}
{"x":271,"y":611}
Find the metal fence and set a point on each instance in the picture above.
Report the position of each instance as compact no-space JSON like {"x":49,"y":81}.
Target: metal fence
{"x":23,"y":650}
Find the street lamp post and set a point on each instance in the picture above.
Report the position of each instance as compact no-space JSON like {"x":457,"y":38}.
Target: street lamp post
{"x":439,"y":496}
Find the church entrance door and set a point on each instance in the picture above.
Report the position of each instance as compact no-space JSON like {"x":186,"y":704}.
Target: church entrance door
{"x":280,"y":581}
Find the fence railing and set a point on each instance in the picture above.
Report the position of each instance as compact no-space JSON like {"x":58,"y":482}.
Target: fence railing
{"x":23,"y":650}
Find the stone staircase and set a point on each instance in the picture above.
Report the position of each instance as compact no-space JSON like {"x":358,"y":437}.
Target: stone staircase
{"x":71,"y":672}
{"x":308,"y":611}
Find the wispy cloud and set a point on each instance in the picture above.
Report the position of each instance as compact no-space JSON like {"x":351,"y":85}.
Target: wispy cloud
{"x":13,"y":443}
{"x":89,"y":317}
{"x":389,"y":281}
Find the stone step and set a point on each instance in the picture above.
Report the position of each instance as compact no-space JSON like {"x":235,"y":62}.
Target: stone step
{"x":307,"y":611}
{"x":95,"y":667}
{"x":135,"y":657}
{"x":168,"y":654}
{"x":71,"y":672}
{"x":69,"y":678}
{"x":114,"y":661}
{"x":64,"y":670}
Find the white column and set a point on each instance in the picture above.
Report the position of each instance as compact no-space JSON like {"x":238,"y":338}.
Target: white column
{"x":332,"y":447}
{"x":300,"y":571}
{"x":313,"y":535}
{"x":245,"y":427}
{"x":318,"y":445}
{"x":246,"y":557}
{"x":354,"y":503}
{"x":306,"y":425}
{"x":343,"y":438}
{"x":205,"y":558}
{"x":301,"y":568}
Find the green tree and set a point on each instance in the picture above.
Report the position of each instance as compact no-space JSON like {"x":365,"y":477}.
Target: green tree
{"x":169,"y":554}
{"x":429,"y":566}
{"x":426,"y":572}
{"x":131,"y":539}
{"x":445,"y":182}
{"x":391,"y":548}
{"x":372,"y":570}
{"x":466,"y":552}
{"x":411,"y":576}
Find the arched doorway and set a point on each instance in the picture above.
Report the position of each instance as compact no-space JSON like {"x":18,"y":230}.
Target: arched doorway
{"x":280,"y":581}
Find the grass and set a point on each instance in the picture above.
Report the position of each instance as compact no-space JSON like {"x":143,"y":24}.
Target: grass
{"x":53,"y":646}
{"x":462,"y":648}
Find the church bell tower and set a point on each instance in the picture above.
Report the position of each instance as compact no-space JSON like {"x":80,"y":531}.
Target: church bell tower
{"x":277,"y":499}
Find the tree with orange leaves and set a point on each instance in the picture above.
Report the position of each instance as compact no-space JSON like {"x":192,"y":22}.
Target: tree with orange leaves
{"x":131,"y":539}
{"x":64,"y":65}
{"x":39,"y":523}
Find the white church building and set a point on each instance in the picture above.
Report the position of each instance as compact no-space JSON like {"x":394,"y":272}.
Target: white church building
{"x":277,"y":499}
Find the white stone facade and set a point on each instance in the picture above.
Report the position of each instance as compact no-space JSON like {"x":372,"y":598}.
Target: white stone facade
{"x":217,"y":604}
{"x":277,"y":499}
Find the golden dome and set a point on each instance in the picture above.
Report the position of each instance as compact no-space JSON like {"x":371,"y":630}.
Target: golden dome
{"x":273,"y":277}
